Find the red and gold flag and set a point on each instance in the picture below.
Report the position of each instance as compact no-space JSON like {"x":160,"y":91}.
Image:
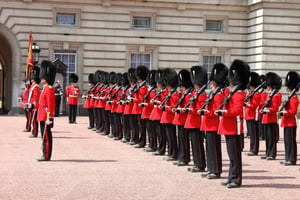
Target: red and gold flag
{"x":29,"y":65}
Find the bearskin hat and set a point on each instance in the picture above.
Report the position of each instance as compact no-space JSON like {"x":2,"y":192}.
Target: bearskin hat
{"x":97,"y":76}
{"x":111,"y":77}
{"x":184,"y":79}
{"x":199,"y":75}
{"x":273,"y":80}
{"x":219,"y":74}
{"x":159,"y":77}
{"x":104,"y":77}
{"x":118,"y":79}
{"x":131,"y":75}
{"x":91,"y":79}
{"x":171,"y":78}
{"x":48,"y":71}
{"x":239,"y":73}
{"x":292,"y":80}
{"x":73,"y":78}
{"x":141,"y":72}
{"x":254,"y":79}
{"x":151,"y":78}
{"x":35,"y":75}
{"x":125,"y":81}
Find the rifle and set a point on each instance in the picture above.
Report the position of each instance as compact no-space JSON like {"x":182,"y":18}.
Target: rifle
{"x":158,"y":93}
{"x":108,"y":92}
{"x":195,"y":97}
{"x":274,"y":91}
{"x":84,"y":96}
{"x":186,"y":92}
{"x":284,"y":104}
{"x":134,"y":90}
{"x":121,"y":97}
{"x":226,"y":100}
{"x":167,"y":97}
{"x":146,"y":96}
{"x":249,"y":96}
{"x":211,"y":96}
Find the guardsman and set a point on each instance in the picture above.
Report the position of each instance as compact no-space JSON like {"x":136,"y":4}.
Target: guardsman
{"x":58,"y":93}
{"x":26,"y":110}
{"x":168,"y":115}
{"x":269,"y":110}
{"x":46,"y":108}
{"x":108,"y":106}
{"x":288,"y":112}
{"x":231,"y":125}
{"x":193,"y":121}
{"x":101,"y":104}
{"x":33,"y":100}
{"x":186,"y":88}
{"x":73,"y":92}
{"x":263,"y":98}
{"x":251,"y":110}
{"x":121,"y":109}
{"x":141,"y":91}
{"x":210,"y":123}
{"x":88,"y":104}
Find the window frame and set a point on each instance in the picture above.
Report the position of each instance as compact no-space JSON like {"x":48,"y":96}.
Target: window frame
{"x":139,"y":53}
{"x":150,"y":15}
{"x":66,"y":11}
{"x":221,"y":18}
{"x":69,"y":53}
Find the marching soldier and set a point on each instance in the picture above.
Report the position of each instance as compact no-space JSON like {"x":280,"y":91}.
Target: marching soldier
{"x":73,"y":92}
{"x":108,"y":108}
{"x":58,"y":93}
{"x":269,"y":110}
{"x":288,"y":112}
{"x":263,"y":98}
{"x":104,"y":130}
{"x":88,"y":104}
{"x":26,"y":110}
{"x":210,"y":123}
{"x":33,"y":100}
{"x":231,"y":126}
{"x":46,"y":108}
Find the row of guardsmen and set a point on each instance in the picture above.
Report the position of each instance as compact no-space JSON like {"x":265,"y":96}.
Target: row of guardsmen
{"x":172,"y":110}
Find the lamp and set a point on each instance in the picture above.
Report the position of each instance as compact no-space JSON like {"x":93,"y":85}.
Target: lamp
{"x":36,"y":52}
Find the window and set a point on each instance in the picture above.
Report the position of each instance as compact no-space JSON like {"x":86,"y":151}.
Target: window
{"x":209,"y":61}
{"x":141,"y":22}
{"x":140,"y":59}
{"x":214,"y":26}
{"x":69,"y":59}
{"x":66,"y":19}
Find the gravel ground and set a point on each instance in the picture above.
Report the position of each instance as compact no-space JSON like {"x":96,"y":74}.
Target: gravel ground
{"x":86,"y":165}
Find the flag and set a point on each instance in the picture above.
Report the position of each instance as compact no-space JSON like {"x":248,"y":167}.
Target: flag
{"x":29,"y":65}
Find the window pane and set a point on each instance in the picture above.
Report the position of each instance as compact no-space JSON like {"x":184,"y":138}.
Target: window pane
{"x":141,"y":22}
{"x":140,"y":59}
{"x":209,"y":61}
{"x":214,"y":26}
{"x":65,"y":19}
{"x":69,"y":59}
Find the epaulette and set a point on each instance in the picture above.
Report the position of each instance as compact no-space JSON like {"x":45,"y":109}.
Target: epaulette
{"x":50,"y":86}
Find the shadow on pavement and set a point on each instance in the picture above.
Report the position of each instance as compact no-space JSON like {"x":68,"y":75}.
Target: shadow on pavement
{"x":268,"y":177}
{"x":83,"y":161}
{"x":71,"y":137}
{"x":273,"y":185}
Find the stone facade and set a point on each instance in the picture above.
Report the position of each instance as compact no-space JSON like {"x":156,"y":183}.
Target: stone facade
{"x":264,"y":33}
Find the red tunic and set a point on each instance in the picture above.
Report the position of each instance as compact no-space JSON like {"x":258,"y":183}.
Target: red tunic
{"x":25,"y":98}
{"x":210,"y":120}
{"x":46,"y":104}
{"x":89,"y":101}
{"x":108,"y":106}
{"x":194,"y":119}
{"x":289,"y":118}
{"x":73,"y":93}
{"x":121,"y":107}
{"x":271,"y":117}
{"x":139,"y":95}
{"x":148,"y":108}
{"x":251,"y":110}
{"x":114,"y":104}
{"x":128,"y":105}
{"x":157,"y":112}
{"x":180,"y":118}
{"x":168,"y":115}
{"x":231,"y":122}
{"x":34,"y":95}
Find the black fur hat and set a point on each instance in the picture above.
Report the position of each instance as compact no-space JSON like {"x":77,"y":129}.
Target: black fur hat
{"x":184,"y":79}
{"x":254,"y":79}
{"x":104,"y":77}
{"x":141,"y":72}
{"x":171,"y":78}
{"x":219,"y":74}
{"x":131,"y":75}
{"x":35,"y":75}
{"x":73,"y":78}
{"x":262,"y":79}
{"x":118,"y":79}
{"x":292,"y":80}
{"x":111,"y":77}
{"x":125,"y":81}
{"x":151,"y":78}
{"x":239,"y":73}
{"x":199,"y":75}
{"x":273,"y":80}
{"x":97,"y":76}
{"x":91,"y":79}
{"x":48,"y":71}
{"x":159,"y":77}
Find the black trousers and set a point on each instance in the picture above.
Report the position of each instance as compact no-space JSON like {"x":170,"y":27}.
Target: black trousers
{"x":116,"y":125}
{"x":72,"y":113}
{"x":151,"y":134}
{"x":233,"y":145}
{"x":171,"y":140}
{"x":102,"y":120}
{"x":91,"y":117}
{"x":161,"y":136}
{"x":197,"y":147}
{"x":28,"y":119}
{"x":272,"y":134}
{"x":143,"y":130}
{"x":46,"y":140}
{"x":183,"y":145}
{"x":252,"y":129}
{"x":34,"y":122}
{"x":213,"y":152}
{"x":118,"y":122}
{"x":134,"y":128}
{"x":126,"y":128}
{"x":57,"y":105}
{"x":97,"y":114}
{"x":290,"y":143}
{"x":262,"y":135}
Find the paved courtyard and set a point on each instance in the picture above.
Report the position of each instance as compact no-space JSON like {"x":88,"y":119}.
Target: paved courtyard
{"x":86,"y":165}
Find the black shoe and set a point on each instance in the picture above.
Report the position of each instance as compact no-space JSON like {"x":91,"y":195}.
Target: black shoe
{"x":213,"y":176}
{"x":157,"y":153}
{"x":233,"y":185}
{"x":110,"y":136}
{"x":117,"y":138}
{"x":204,"y":175}
{"x":42,"y":158}
{"x":124,"y":140}
{"x":181,"y":163}
{"x":32,"y":136}
{"x":195,"y":169}
{"x":25,"y":130}
{"x":137,"y":146}
{"x":270,"y":158}
{"x":169,"y":158}
{"x":94,"y":129}
{"x":263,"y":157}
{"x":148,"y":149}
{"x":283,"y":162}
{"x":250,"y":153}
{"x":288,"y":163}
{"x":98,"y":131}
{"x":90,"y":127}
{"x":225,"y":183}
